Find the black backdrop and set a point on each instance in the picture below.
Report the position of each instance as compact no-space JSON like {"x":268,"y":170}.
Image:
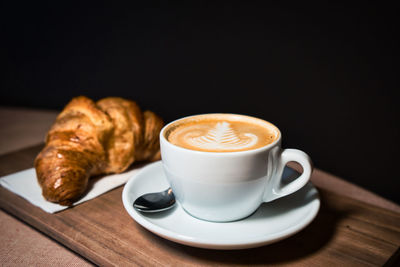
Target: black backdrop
{"x":326,"y":75}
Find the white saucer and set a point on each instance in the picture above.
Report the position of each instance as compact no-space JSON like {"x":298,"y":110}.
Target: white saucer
{"x":272,"y":222}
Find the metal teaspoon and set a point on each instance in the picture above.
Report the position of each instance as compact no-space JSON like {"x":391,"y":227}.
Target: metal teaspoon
{"x":155,"y":202}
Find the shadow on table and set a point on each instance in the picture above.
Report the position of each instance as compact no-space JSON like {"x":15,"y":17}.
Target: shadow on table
{"x":301,"y":245}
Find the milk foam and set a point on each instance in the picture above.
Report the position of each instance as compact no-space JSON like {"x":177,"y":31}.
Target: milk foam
{"x":221,"y":137}
{"x":221,"y":133}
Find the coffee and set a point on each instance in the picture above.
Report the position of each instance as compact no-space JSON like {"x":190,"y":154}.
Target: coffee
{"x":221,"y":133}
{"x":227,"y":186}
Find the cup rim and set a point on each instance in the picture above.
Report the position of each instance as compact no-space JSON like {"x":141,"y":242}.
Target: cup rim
{"x":162,"y":136}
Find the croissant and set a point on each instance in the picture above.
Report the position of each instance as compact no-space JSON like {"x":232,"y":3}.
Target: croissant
{"x":90,"y":139}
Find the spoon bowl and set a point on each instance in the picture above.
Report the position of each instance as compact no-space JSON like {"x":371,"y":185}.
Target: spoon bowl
{"x":155,"y":202}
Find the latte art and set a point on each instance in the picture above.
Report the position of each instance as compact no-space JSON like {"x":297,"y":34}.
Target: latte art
{"x":221,"y":137}
{"x":221,"y":133}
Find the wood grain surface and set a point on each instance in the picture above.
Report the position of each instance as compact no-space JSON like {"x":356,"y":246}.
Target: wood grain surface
{"x":346,"y":232}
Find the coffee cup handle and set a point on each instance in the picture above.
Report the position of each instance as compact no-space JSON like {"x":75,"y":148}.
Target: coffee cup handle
{"x":277,"y":188}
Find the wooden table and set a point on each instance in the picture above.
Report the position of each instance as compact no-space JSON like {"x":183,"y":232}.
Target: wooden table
{"x":354,"y":227}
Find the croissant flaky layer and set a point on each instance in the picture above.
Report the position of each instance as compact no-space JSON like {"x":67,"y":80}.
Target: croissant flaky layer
{"x":91,"y":138}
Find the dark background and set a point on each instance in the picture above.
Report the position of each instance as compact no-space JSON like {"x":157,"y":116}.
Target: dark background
{"x":325,"y":75}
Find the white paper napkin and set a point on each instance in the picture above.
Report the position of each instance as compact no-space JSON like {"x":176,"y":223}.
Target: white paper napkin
{"x":25,"y":184}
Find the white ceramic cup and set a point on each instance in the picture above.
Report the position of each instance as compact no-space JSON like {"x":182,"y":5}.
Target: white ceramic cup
{"x":228,"y":186}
